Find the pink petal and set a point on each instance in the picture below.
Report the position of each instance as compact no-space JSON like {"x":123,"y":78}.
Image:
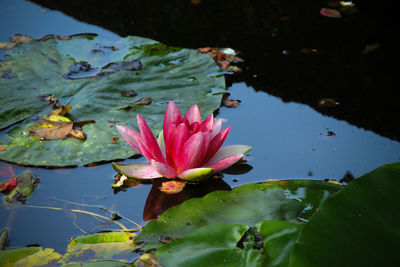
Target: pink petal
{"x":225,"y":163}
{"x":207,"y":124}
{"x":207,"y":142}
{"x":8,"y":185}
{"x":172,"y":114}
{"x":193,"y":115}
{"x":169,"y":145}
{"x":137,"y":171}
{"x":145,"y":151}
{"x":229,"y":151}
{"x":164,"y":169}
{"x":131,"y":137}
{"x":217,"y":125}
{"x":215,"y":144}
{"x":191,"y":153}
{"x":332,"y":13}
{"x":172,"y":117}
{"x":196,"y":174}
{"x":178,"y":140}
{"x":149,"y":140}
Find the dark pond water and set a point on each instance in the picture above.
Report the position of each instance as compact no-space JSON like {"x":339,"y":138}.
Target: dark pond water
{"x":291,"y":137}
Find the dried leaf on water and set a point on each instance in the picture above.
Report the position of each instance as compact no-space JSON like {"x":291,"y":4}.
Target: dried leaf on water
{"x":61,"y":111}
{"x":123,"y":181}
{"x":230,"y":103}
{"x":172,"y":187}
{"x":224,"y":57}
{"x":16,"y":39}
{"x":114,"y":140}
{"x":143,"y":101}
{"x":78,"y":134}
{"x":331,"y":13}
{"x":327,"y":103}
{"x":310,"y":51}
{"x":371,"y":47}
{"x":26,"y":183}
{"x":8,"y":185}
{"x":51,"y":130}
{"x":56,"y":126}
{"x":128,"y":93}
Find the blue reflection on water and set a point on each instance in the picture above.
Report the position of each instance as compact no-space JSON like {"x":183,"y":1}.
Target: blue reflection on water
{"x":292,"y":140}
{"x":17,"y":16}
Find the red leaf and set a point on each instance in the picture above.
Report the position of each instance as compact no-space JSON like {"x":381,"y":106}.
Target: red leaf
{"x":331,"y":13}
{"x":8,"y":185}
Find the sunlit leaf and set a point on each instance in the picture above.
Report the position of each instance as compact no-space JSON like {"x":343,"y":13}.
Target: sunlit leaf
{"x":90,"y":74}
{"x":250,"y":204}
{"x":356,"y":226}
{"x":100,"y":246}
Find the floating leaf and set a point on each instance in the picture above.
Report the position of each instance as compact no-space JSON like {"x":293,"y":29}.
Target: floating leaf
{"x":331,"y":13}
{"x":230,"y":103}
{"x":8,"y":185}
{"x":250,"y":204}
{"x":227,"y":244}
{"x":94,"y":250}
{"x":327,"y":103}
{"x":361,"y":217}
{"x":26,"y":184}
{"x":89,"y":74}
{"x":358,"y":226}
{"x":172,"y":187}
{"x":224,"y":57}
{"x":128,"y":93}
{"x":47,"y":129}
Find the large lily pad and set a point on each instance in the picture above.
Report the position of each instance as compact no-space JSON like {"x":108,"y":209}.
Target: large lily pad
{"x":356,"y":226}
{"x":102,"y":81}
{"x":250,"y":204}
{"x":226,"y":244}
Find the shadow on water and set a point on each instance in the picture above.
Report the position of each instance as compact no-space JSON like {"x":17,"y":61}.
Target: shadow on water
{"x":282,"y":82}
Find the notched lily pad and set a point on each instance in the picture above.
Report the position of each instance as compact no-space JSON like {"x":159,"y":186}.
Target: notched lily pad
{"x":96,"y":73}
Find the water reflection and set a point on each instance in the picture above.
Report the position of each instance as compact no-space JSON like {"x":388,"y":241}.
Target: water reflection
{"x":292,"y":140}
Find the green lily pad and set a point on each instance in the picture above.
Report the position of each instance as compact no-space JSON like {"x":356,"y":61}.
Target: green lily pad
{"x":29,"y":256}
{"x":100,"y":246}
{"x":226,"y":244}
{"x":358,"y":226}
{"x":293,"y":201}
{"x":93,"y":76}
{"x":101,"y":249}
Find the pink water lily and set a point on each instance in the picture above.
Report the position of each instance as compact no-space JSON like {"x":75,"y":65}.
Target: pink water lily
{"x":187,"y":148}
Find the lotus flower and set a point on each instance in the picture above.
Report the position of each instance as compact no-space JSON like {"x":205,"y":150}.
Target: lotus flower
{"x":187,"y":148}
